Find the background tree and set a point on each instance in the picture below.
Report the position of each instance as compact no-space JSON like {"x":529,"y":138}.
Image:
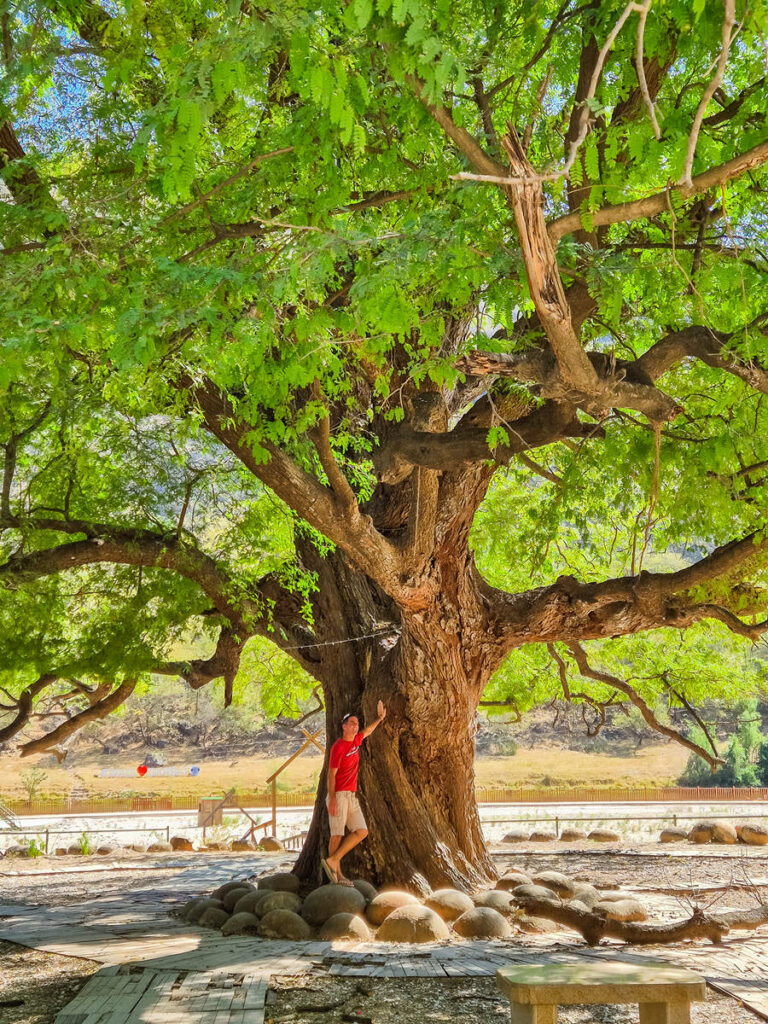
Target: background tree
{"x":290,"y":293}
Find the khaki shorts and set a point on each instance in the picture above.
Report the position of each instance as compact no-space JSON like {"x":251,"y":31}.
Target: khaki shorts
{"x":348,"y":812}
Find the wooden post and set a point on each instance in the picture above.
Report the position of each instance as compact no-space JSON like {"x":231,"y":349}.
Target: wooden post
{"x":274,"y":807}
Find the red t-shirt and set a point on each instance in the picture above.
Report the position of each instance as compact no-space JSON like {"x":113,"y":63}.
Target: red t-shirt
{"x":345,"y":757}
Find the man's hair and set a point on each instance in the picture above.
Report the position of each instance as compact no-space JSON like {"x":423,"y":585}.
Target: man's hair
{"x":349,"y":714}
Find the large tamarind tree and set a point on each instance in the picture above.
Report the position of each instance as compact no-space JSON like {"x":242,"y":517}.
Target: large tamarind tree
{"x":291,"y":291}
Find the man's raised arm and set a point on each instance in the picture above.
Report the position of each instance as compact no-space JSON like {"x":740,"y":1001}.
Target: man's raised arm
{"x":381,"y":711}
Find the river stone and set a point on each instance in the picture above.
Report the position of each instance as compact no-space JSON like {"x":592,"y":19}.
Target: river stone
{"x":136,"y":847}
{"x":556,"y":881}
{"x":755,"y":835}
{"x":345,"y":926}
{"x":449,"y":903}
{"x":17,"y":851}
{"x":482,"y":923}
{"x":161,"y":847}
{"x":724,"y":832}
{"x":221,"y":892}
{"x":542,"y":836}
{"x":385,"y":903}
{"x":673,"y":835}
{"x":230,"y":898}
{"x":412,"y":923}
{"x":281,"y":881}
{"x":532,"y":891}
{"x":241,"y":924}
{"x":512,"y":879}
{"x":252,"y":902}
{"x":578,"y":905}
{"x":328,"y":900}
{"x":621,"y":910}
{"x":284,"y":924}
{"x":280,"y":901}
{"x":365,"y":887}
{"x":241,"y":846}
{"x":604,"y":835}
{"x":271,"y":845}
{"x":536,"y":925}
{"x":586,"y":894}
{"x":189,"y":906}
{"x":60,"y":851}
{"x":195,"y":913}
{"x":515,"y":836}
{"x":182,"y":843}
{"x":73,"y":851}
{"x":212,"y":917}
{"x":572,"y":835}
{"x":702,"y":832}
{"x":497,"y":899}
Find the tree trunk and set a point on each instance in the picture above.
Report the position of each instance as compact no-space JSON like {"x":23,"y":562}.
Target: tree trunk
{"x":416,"y":781}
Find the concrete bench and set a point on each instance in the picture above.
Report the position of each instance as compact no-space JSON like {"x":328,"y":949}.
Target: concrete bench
{"x":663,"y":993}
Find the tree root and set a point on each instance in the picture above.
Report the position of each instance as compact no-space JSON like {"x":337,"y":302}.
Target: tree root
{"x":595,"y":927}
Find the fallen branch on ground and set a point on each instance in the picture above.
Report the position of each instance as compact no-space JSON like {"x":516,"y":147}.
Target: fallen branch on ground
{"x":595,"y":927}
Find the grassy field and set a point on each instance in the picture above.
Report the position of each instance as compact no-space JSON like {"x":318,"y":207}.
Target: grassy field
{"x":651,"y":766}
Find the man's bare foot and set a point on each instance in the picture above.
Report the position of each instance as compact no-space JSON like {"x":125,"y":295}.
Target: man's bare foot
{"x":335,"y":869}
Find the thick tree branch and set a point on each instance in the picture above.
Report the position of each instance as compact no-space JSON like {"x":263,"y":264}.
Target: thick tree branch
{"x":546,"y":287}
{"x":659,"y":202}
{"x":595,"y":927}
{"x":466,"y":444}
{"x":586,"y":670}
{"x":320,"y":507}
{"x":93,"y":713}
{"x":705,"y":344}
{"x":24,"y":706}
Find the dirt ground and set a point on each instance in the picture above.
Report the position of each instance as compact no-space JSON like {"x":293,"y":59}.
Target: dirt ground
{"x":449,"y":1000}
{"x":34,"y":986}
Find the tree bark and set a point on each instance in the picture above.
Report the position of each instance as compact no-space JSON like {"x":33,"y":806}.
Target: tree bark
{"x":416,"y":780}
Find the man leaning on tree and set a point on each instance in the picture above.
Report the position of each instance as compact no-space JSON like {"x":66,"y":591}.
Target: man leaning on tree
{"x":343,"y":806}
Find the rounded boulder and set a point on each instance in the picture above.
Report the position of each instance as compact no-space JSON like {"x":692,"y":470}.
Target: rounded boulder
{"x":381,"y":906}
{"x":230,"y":898}
{"x":271,"y":845}
{"x":195,"y":913}
{"x":413,"y":923}
{"x":604,"y":835}
{"x":252,"y":902}
{"x":541,"y":835}
{"x":755,"y":835}
{"x":241,"y":846}
{"x":515,"y":836}
{"x":280,"y":901}
{"x":284,"y":924}
{"x":221,"y":892}
{"x":188,"y":907}
{"x":572,"y":835}
{"x":496,"y":899}
{"x":702,"y":832}
{"x":673,"y":835}
{"x":586,"y":894}
{"x":449,"y":903}
{"x":161,"y":847}
{"x":482,"y":923}
{"x":345,"y":926}
{"x":556,"y":881}
{"x":365,"y":887}
{"x":213,"y":917}
{"x":181,"y":843}
{"x":536,"y":925}
{"x":328,"y":900}
{"x":724,"y":832}
{"x":241,"y":924}
{"x":533,"y":891}
{"x":281,"y":881}
{"x":512,"y":879}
